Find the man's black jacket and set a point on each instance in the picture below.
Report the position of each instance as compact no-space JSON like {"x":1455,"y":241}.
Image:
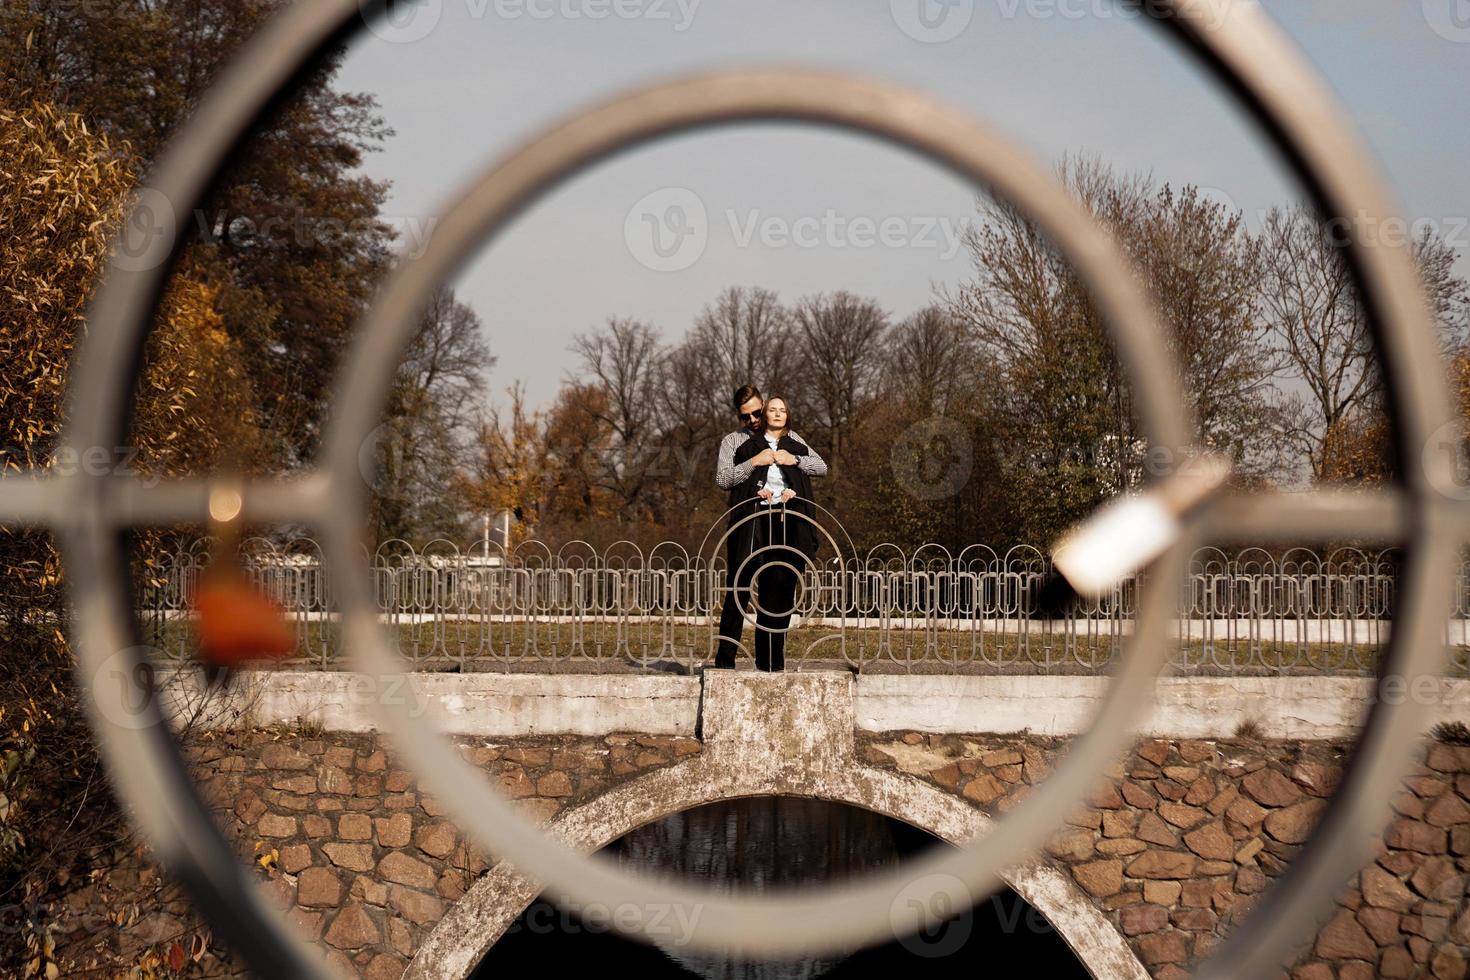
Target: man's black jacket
{"x":796,"y":527}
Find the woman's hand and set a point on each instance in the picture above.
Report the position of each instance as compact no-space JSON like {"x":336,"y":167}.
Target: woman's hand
{"x":783,"y":458}
{"x":766,"y":457}
{"x":765,"y":494}
{"x":787,"y":494}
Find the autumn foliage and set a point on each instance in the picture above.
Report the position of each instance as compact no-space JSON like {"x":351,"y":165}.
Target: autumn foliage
{"x":63,"y":188}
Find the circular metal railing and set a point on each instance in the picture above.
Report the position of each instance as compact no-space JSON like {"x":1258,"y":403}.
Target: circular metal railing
{"x":1423,"y":510}
{"x":1250,"y":613}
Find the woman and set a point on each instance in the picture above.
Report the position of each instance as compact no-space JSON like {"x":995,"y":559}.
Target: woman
{"x":782,"y":530}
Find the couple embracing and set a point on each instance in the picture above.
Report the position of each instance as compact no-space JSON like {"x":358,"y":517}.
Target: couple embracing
{"x":766,"y":470}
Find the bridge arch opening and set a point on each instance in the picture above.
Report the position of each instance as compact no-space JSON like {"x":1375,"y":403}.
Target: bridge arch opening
{"x":765,"y":842}
{"x":774,"y":735}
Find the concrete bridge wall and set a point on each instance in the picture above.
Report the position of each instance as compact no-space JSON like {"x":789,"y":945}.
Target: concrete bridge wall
{"x":517,"y":704}
{"x":1176,"y":844}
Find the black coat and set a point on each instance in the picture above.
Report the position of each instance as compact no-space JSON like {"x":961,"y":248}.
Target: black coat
{"x":799,"y":523}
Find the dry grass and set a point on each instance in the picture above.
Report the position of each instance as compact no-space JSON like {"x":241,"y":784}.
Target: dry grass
{"x":498,"y":646}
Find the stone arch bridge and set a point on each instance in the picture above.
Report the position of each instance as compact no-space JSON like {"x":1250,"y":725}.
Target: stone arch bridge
{"x":1176,"y":844}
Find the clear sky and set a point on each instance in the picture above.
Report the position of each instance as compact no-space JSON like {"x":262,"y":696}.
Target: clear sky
{"x":803,"y":210}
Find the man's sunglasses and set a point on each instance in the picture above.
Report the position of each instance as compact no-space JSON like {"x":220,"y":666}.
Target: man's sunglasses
{"x":751,"y":416}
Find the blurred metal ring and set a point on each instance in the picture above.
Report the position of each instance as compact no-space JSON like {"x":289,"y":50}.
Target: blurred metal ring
{"x":1233,"y":38}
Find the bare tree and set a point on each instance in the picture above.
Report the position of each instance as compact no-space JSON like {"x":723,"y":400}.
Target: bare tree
{"x":1319,"y":328}
{"x":624,"y":360}
{"x":1205,"y":272}
{"x":1064,"y":415}
{"x":431,"y":420}
{"x":743,"y":337}
{"x":690,"y":428}
{"x":930,"y":362}
{"x":839,"y":340}
{"x":1061,"y":402}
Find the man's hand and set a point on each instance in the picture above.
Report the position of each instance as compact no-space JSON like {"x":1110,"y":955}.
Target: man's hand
{"x":766,"y":457}
{"x":783,"y":458}
{"x":764,"y":493}
{"x":787,"y":494}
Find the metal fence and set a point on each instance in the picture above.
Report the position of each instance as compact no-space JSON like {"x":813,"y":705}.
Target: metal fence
{"x":927,"y":609}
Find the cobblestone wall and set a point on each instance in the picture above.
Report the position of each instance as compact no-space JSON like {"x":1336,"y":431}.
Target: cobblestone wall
{"x":365,"y":860}
{"x":1181,"y":839}
{"x":1175,"y":846}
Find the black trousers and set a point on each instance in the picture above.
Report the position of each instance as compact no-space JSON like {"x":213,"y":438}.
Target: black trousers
{"x":775,"y":591}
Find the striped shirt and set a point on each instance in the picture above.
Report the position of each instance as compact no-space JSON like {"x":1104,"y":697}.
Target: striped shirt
{"x":729,"y":474}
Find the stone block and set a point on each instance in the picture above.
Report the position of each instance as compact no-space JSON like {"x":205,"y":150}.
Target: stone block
{"x":353,"y":928}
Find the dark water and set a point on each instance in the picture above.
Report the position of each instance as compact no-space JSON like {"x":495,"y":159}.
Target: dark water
{"x":781,"y":842}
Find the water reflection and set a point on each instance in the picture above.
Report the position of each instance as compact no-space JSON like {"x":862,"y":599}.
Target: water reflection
{"x":759,"y":844}
{"x":780,"y":842}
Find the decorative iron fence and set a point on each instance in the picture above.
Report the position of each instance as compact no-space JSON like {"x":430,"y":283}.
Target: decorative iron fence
{"x":928,"y":609}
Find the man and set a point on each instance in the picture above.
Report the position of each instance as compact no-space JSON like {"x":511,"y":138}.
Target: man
{"x":752,"y":535}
